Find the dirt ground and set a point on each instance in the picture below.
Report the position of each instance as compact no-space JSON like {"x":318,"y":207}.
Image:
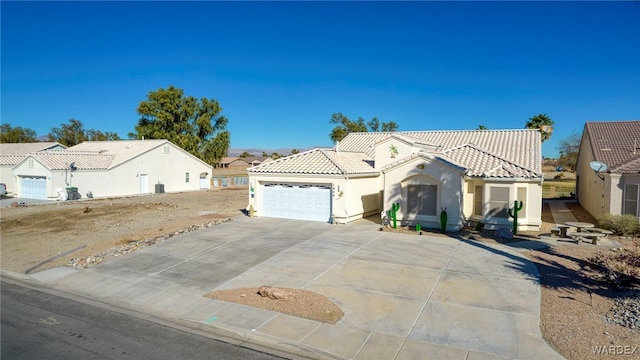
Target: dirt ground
{"x":31,"y":235}
{"x":573,"y":304}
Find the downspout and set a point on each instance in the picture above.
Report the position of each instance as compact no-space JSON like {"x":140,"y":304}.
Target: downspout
{"x":346,"y":203}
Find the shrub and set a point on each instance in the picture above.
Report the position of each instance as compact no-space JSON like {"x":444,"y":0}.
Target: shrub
{"x":620,"y":224}
{"x":558,"y":176}
{"x":618,"y":268}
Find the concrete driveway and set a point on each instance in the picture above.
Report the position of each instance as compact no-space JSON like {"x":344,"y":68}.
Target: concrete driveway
{"x":404,"y":296}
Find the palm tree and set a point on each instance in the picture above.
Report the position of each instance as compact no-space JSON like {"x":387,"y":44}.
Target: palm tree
{"x":482,"y":127}
{"x":543,"y":123}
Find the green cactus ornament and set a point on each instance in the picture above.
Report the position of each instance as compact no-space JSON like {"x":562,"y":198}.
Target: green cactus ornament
{"x":392,"y":213}
{"x":443,"y":220}
{"x":513,"y":212}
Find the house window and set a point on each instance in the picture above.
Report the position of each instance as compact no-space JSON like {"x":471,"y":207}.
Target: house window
{"x":522,"y":196}
{"x":631,"y":199}
{"x":186,"y":177}
{"x":477,"y":200}
{"x":498,"y":202}
{"x":422,"y":199}
{"x":30,"y":163}
{"x":166,"y":149}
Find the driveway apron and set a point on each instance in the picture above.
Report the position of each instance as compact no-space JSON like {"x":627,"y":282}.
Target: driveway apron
{"x":404,"y":296}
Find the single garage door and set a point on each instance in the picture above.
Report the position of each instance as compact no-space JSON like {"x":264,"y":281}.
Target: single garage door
{"x":297,"y":201}
{"x":33,"y":187}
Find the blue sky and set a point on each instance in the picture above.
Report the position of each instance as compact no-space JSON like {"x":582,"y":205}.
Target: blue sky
{"x":281,"y":69}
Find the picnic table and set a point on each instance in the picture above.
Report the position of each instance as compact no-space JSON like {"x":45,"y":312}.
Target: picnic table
{"x":579,"y":225}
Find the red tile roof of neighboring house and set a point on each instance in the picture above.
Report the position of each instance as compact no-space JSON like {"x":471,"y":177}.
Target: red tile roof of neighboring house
{"x":616,"y":143}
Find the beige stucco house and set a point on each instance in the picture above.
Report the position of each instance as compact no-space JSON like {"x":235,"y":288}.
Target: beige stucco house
{"x":11,"y":154}
{"x":475,"y":175}
{"x":616,"y":188}
{"x":111,"y":168}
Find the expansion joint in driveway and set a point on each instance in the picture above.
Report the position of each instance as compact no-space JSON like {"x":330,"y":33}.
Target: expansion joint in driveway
{"x":442,"y":272}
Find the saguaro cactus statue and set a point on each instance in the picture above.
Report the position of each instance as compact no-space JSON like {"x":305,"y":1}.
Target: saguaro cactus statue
{"x":392,"y":213}
{"x":443,"y":220}
{"x":513,"y":212}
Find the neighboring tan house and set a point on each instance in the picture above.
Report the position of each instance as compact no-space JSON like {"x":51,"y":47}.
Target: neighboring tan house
{"x":12,"y":154}
{"x":475,"y":175}
{"x":111,"y":168}
{"x":232,"y":171}
{"x":608,"y":168}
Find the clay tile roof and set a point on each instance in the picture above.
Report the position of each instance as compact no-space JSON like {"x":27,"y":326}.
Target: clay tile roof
{"x":122,"y":150}
{"x":14,"y":153}
{"x":318,"y":162}
{"x":83,"y":160}
{"x":484,"y":164}
{"x":11,"y":159}
{"x":519,"y":151}
{"x":27,"y":148}
{"x":615,"y":143}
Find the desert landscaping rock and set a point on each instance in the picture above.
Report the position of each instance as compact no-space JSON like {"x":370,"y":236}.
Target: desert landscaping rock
{"x":95,"y":259}
{"x":626,"y":310}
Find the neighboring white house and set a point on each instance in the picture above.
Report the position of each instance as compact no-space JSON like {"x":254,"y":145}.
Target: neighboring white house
{"x":475,"y":175}
{"x":111,"y":168}
{"x":12,"y":154}
{"x":615,"y":189}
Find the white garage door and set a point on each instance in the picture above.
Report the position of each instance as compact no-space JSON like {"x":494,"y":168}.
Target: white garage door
{"x":296,"y":201}
{"x":33,"y":187}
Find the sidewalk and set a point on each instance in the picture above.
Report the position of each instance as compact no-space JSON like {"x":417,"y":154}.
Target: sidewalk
{"x":404,"y":297}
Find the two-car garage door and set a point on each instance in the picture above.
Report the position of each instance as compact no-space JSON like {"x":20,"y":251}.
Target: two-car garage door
{"x":296,"y":201}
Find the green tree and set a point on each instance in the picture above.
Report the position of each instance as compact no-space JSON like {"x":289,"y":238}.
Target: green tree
{"x":482,"y":127}
{"x":97,"y":135}
{"x":16,"y":134}
{"x":74,"y":133}
{"x":196,"y":125}
{"x":344,"y":126}
{"x":245,"y":154}
{"x":295,"y":151}
{"x":543,"y":123}
{"x":69,"y":134}
{"x":568,"y":149}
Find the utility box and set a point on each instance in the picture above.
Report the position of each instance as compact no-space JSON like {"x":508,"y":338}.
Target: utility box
{"x":159,"y":188}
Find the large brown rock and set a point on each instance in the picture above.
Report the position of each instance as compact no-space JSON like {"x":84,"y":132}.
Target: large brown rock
{"x":275,"y":293}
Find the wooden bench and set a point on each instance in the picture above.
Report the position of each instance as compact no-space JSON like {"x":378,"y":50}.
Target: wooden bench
{"x":560,"y":230}
{"x":583,"y":235}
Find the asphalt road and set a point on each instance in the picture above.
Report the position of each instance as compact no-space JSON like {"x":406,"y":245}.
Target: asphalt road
{"x":40,"y":325}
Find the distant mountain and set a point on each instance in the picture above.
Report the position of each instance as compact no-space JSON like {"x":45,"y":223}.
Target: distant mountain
{"x":258,"y":151}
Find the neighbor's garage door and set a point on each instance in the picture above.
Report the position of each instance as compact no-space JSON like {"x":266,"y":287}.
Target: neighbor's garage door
{"x":296,"y":201}
{"x":33,"y":187}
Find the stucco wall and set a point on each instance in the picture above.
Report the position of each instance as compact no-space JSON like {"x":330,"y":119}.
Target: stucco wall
{"x":384,"y":154}
{"x":529,"y":218}
{"x":425,"y":171}
{"x":168,"y":169}
{"x":38,"y":169}
{"x":591,"y":188}
{"x":6,"y":177}
{"x":361,"y":199}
